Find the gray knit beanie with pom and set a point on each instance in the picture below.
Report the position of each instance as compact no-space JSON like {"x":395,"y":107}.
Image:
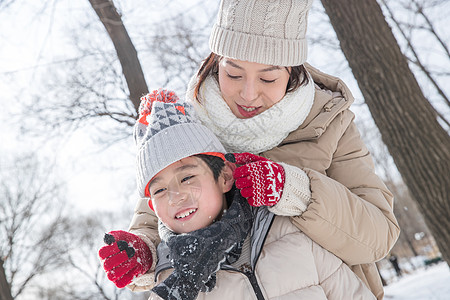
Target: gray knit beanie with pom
{"x":166,"y":132}
{"x":271,"y":32}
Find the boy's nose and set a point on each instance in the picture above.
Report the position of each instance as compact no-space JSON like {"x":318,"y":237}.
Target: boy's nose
{"x":177,"y":198}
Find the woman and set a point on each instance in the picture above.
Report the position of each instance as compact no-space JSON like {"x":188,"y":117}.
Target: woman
{"x":257,"y":94}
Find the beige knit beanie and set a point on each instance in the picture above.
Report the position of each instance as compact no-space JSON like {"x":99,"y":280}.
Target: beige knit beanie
{"x":271,"y":32}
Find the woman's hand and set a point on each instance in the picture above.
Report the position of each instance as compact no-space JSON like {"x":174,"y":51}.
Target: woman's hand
{"x":260,"y":180}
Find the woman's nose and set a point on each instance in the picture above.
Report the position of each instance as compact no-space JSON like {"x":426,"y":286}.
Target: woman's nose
{"x":249,"y":91}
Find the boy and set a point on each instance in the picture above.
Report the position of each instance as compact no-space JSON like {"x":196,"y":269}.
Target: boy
{"x":214,"y":245}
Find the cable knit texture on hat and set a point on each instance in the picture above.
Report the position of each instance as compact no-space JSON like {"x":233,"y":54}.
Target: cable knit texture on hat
{"x":166,"y":132}
{"x":271,"y":32}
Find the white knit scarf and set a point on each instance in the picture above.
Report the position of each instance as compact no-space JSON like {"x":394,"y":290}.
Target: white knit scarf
{"x":259,"y":133}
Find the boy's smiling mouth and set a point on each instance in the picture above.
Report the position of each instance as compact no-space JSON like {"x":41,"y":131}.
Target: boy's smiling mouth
{"x":185,"y":213}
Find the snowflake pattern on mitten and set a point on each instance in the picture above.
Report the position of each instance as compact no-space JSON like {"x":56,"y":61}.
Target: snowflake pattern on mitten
{"x":260,"y":180}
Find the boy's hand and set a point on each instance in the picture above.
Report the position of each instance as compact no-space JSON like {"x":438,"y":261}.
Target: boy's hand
{"x":260,"y":180}
{"x":125,"y":256}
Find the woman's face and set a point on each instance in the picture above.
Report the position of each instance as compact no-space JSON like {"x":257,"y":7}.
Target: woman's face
{"x":250,"y":88}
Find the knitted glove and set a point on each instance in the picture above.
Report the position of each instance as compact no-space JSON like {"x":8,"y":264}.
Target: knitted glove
{"x":260,"y":180}
{"x":125,"y":256}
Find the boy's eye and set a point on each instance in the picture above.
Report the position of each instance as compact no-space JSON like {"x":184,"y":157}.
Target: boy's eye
{"x":186,"y":178}
{"x":158,"y":191}
{"x":268,"y":81}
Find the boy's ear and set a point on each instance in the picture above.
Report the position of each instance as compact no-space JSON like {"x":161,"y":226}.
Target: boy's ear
{"x":227,"y":176}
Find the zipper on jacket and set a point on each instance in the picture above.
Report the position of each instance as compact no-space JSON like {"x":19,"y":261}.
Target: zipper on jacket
{"x":251,"y":274}
{"x":252,"y":278}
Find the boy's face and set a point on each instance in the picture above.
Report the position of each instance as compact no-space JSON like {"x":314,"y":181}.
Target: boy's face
{"x":185,"y":195}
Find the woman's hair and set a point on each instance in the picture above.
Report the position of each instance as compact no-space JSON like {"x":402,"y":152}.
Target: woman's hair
{"x":215,"y":163}
{"x":210,"y":65}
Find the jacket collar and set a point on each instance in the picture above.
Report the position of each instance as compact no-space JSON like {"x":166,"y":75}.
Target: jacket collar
{"x":332,"y":97}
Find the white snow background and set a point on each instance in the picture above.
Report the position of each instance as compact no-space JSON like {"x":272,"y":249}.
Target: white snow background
{"x":28,"y":46}
{"x":432,"y":283}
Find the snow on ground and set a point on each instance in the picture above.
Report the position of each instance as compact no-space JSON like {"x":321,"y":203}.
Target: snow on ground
{"x":432,"y":283}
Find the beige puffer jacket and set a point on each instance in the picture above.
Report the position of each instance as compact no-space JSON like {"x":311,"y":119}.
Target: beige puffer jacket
{"x":351,"y":212}
{"x":289,"y":265}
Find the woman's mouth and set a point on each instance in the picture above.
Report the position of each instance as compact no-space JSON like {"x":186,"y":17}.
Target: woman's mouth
{"x":248,"y":108}
{"x":185,"y":214}
{"x":248,"y":111}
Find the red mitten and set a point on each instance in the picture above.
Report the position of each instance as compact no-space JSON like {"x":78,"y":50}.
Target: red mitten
{"x":260,"y":180}
{"x":125,"y":256}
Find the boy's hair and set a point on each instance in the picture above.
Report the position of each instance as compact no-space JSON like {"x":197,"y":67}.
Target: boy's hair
{"x":215,"y":163}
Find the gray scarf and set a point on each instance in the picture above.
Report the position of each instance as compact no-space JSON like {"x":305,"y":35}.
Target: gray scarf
{"x":197,"y":256}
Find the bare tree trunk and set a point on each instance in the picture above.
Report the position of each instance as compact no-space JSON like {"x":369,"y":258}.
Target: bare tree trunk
{"x":5,"y":290}
{"x":407,"y":122}
{"x":126,"y":52}
{"x":411,"y":245}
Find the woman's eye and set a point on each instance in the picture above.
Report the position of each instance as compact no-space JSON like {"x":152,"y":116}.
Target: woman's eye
{"x":268,"y":81}
{"x":234,"y":77}
{"x":185,"y":179}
